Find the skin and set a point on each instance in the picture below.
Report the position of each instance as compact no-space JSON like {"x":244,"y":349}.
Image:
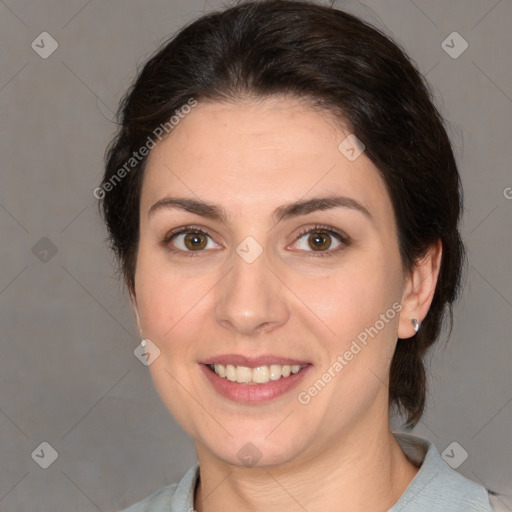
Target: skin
{"x":251,"y":157}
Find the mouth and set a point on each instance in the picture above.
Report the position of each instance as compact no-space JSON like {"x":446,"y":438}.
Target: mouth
{"x":253,"y":381}
{"x":257,"y":375}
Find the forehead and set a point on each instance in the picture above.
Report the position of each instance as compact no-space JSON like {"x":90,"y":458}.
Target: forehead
{"x":250,"y":155}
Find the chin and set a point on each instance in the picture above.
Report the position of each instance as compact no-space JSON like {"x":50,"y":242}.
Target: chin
{"x":258,"y":450}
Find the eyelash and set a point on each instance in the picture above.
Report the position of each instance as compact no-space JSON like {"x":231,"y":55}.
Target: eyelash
{"x":342,"y":238}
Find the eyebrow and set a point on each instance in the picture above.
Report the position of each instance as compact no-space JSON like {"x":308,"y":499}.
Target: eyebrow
{"x":286,"y":211}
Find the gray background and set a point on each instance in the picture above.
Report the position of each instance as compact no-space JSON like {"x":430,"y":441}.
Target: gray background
{"x":68,"y":373}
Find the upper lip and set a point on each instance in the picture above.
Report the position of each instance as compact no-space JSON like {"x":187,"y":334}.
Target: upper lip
{"x":252,"y":362}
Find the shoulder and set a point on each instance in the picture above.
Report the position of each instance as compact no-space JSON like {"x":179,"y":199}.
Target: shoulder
{"x":436,"y":486}
{"x":178,"y":497}
{"x":158,"y":501}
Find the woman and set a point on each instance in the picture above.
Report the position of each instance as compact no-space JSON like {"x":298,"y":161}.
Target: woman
{"x":284,"y":203}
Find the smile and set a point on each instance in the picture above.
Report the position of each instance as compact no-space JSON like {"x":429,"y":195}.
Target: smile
{"x":257,"y":375}
{"x":263,"y":381}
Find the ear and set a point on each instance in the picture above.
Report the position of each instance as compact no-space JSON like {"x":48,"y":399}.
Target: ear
{"x":133,"y":300}
{"x":419,"y":290}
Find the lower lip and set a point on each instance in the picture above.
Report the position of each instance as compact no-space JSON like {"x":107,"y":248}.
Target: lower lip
{"x":253,"y":393}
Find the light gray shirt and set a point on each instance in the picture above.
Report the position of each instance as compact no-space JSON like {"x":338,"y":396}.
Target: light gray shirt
{"x":435,"y":488}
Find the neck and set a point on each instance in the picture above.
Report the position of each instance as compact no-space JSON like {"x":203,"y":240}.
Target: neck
{"x":363,"y":470}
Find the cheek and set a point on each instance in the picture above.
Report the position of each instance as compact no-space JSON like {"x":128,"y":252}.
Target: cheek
{"x":170,"y":306}
{"x":165,"y":297}
{"x":359,"y":304}
{"x":352,"y":297}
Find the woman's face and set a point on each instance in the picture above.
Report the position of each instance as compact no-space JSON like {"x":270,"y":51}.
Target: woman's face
{"x":266,"y":247}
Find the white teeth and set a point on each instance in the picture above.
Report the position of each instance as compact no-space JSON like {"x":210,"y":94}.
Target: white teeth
{"x":258,"y":375}
{"x":231,"y":372}
{"x":275,"y":371}
{"x":261,"y":374}
{"x":243,"y":374}
{"x":220,"y":370}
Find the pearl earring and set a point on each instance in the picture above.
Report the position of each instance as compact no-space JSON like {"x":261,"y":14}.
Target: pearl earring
{"x":415,"y":324}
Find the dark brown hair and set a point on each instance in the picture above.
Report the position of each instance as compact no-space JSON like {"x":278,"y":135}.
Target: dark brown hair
{"x":338,"y":63}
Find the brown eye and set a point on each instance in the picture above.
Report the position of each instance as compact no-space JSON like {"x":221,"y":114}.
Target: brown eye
{"x":189,"y":240}
{"x":319,"y":241}
{"x":195,"y":241}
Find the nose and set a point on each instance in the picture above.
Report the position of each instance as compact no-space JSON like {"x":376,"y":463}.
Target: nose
{"x":252,"y":299}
